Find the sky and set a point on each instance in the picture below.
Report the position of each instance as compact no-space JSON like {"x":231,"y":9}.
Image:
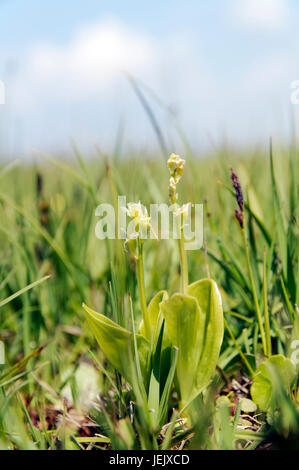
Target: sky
{"x":222,"y":70}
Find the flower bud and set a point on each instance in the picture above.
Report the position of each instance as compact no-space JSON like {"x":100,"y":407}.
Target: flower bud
{"x":176,"y":167}
{"x":172,"y":190}
{"x":141,"y":222}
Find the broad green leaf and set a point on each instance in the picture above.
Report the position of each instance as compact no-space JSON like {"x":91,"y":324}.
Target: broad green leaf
{"x":195,"y":327}
{"x":248,"y":406}
{"x":183,"y":320}
{"x":212,"y":328}
{"x":262,"y":387}
{"x":153,"y":313}
{"x":117,"y":343}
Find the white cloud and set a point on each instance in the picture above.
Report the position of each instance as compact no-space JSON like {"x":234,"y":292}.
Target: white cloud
{"x":80,"y":88}
{"x":261,"y":14}
{"x":94,"y":58}
{"x":77,"y":89}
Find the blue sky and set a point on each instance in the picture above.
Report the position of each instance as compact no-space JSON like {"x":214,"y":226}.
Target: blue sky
{"x":224,"y":67}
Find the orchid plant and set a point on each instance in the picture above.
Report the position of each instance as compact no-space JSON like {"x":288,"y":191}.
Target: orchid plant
{"x":178,"y":341}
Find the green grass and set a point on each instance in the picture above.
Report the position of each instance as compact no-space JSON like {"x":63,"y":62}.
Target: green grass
{"x":52,"y":360}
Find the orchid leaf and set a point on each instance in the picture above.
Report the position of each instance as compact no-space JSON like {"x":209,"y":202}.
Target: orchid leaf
{"x":182,"y":316}
{"x":195,"y":326}
{"x":117,"y":343}
{"x":263,"y":383}
{"x":153,"y":313}
{"x":208,"y":296}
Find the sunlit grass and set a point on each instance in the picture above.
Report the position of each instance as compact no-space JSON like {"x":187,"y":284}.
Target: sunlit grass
{"x":47,"y":228}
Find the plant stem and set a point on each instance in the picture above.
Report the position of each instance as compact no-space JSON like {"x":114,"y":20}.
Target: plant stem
{"x":287,"y":300}
{"x":184,"y":264}
{"x":266,"y":310}
{"x":238,"y":347}
{"x":141,"y":288}
{"x":256,"y":303}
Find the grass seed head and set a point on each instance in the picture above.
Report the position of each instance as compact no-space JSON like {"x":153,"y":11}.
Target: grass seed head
{"x":39,"y":184}
{"x":239,"y":217}
{"x":239,"y":197}
{"x":238,"y":190}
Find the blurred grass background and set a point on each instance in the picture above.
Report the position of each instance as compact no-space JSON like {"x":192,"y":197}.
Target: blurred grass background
{"x":47,"y":223}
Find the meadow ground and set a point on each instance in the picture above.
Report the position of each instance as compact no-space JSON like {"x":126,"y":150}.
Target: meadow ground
{"x":57,"y":390}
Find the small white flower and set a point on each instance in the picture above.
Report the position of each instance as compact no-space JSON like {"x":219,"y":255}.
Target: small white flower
{"x":133,"y":210}
{"x":183,"y":211}
{"x":137,"y":211}
{"x":139,"y":215}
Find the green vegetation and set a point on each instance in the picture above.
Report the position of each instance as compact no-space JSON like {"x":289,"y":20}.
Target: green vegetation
{"x":58,"y":389}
